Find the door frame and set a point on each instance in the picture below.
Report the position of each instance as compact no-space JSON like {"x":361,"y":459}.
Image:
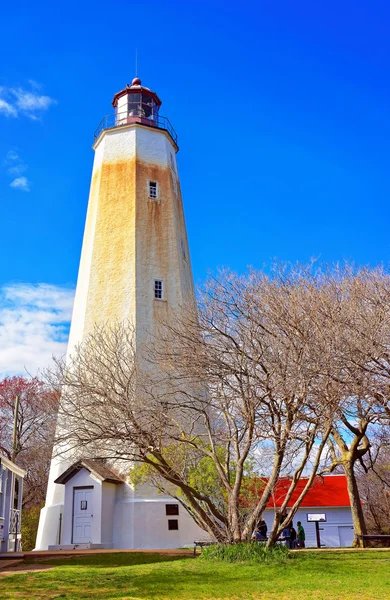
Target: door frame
{"x":78,"y":487}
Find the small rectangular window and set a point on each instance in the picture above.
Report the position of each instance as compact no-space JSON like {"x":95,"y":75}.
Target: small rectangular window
{"x":171,"y":509}
{"x":152,"y":189}
{"x":158,"y":289}
{"x":173,"y":524}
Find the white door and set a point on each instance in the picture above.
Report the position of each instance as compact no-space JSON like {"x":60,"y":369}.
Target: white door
{"x":346,"y":535}
{"x":82,"y":515}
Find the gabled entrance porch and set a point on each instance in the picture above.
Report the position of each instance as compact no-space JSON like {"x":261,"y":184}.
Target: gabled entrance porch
{"x":86,"y":521}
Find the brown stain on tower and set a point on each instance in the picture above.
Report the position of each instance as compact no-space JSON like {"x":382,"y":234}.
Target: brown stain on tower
{"x":136,"y":240}
{"x":111,"y":293}
{"x":156,"y":242}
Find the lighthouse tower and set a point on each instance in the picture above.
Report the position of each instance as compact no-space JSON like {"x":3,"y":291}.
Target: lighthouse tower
{"x":135,"y":265}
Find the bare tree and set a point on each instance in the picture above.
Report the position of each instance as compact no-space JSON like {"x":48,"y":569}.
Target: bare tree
{"x":374,"y":482}
{"x":354,"y":313}
{"x":36,"y":419}
{"x":268,"y":370}
{"x":217,"y":386}
{"x":251,"y":341}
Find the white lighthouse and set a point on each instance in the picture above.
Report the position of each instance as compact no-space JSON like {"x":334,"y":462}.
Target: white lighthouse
{"x":134,"y":265}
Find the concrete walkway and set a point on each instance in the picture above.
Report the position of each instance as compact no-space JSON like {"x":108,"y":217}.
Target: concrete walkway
{"x":7,"y":564}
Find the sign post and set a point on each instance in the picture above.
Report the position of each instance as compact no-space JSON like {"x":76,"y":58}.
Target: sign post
{"x":317,"y":518}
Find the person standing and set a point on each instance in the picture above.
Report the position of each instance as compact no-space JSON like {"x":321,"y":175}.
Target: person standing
{"x":300,"y":536}
{"x":262,"y":527}
{"x":293,"y":536}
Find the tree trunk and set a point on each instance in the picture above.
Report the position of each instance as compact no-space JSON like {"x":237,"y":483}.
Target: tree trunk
{"x":359,"y":523}
{"x":273,"y":536}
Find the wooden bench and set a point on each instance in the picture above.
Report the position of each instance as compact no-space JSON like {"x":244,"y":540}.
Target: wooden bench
{"x":281,"y":538}
{"x":378,"y":537}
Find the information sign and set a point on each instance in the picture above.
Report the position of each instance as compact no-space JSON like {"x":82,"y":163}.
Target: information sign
{"x":316,"y":518}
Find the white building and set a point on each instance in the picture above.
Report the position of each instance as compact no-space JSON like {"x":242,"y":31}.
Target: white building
{"x":327,"y":501}
{"x":11,"y":492}
{"x":135,"y":265}
{"x":100,"y":510}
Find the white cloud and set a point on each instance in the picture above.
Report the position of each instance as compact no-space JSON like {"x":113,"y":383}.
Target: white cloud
{"x":30,"y":102}
{"x":16,"y":101}
{"x":34,"y":84}
{"x":34,"y":326}
{"x":7,"y":109}
{"x":11,"y":156}
{"x":15,"y":167}
{"x":21,"y":183}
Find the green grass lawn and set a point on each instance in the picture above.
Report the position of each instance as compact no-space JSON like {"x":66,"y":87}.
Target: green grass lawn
{"x":309,"y":575}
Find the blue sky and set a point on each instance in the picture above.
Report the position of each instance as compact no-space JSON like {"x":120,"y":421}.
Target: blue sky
{"x":282,"y":114}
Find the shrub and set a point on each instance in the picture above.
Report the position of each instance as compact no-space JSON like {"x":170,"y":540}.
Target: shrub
{"x":246,"y":552}
{"x":30,"y":520}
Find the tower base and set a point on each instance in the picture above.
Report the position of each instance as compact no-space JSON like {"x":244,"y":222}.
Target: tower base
{"x":49,"y":528}
{"x":106,"y":514}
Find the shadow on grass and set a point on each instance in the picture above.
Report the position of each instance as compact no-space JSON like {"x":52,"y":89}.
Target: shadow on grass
{"x":161,"y":582}
{"x":105,"y":561}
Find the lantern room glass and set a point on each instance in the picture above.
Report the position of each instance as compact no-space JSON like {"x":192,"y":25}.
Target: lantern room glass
{"x":142,"y":105}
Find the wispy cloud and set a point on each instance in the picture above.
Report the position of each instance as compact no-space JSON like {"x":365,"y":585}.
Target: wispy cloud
{"x":15,"y":167}
{"x":34,"y":84}
{"x":7,"y":109}
{"x":11,"y":156}
{"x":17,"y":101}
{"x":21,"y":183}
{"x":34,"y":325}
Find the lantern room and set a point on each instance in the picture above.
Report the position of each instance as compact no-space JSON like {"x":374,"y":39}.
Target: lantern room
{"x":136,"y":103}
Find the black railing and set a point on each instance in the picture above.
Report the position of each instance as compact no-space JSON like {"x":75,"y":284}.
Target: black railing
{"x":135,"y":116}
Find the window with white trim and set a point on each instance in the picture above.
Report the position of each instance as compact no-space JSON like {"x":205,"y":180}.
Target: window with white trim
{"x":153,"y":189}
{"x":158,"y":289}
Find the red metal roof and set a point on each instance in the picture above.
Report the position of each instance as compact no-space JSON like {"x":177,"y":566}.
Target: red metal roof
{"x":330,"y":490}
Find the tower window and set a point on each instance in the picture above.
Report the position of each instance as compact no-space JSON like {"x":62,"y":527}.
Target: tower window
{"x":173,"y":524}
{"x":153,"y":189}
{"x":171,"y":509}
{"x":158,"y":289}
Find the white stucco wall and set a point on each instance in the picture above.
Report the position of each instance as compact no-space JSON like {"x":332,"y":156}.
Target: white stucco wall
{"x":129,"y":240}
{"x":108,"y":509}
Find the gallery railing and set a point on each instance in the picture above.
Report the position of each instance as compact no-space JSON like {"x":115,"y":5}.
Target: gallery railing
{"x":14,"y":524}
{"x":135,"y":116}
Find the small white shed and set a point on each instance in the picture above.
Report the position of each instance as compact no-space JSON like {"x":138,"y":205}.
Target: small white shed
{"x":11,"y":494}
{"x":102,"y":510}
{"x":88,"y":513}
